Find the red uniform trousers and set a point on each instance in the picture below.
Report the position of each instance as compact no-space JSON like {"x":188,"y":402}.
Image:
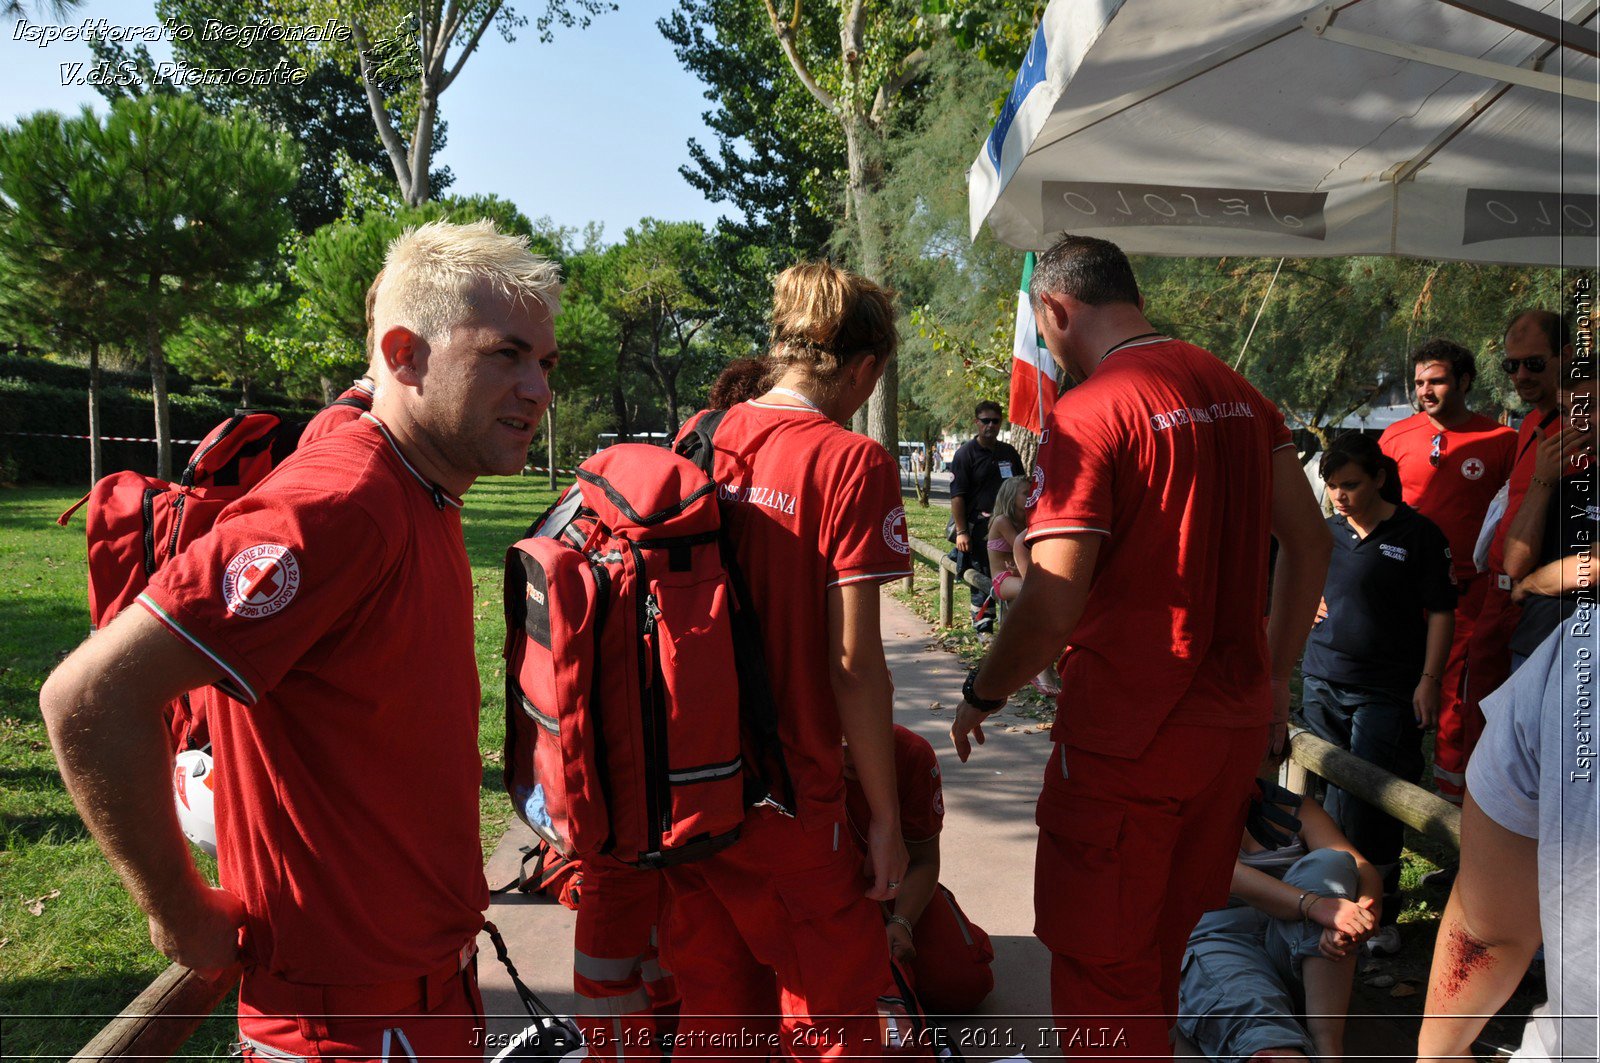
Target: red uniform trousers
{"x":777,"y":950}
{"x":284,"y":1022}
{"x":951,"y":972}
{"x":1488,"y":667}
{"x":1453,"y":683}
{"x":627,"y":1001}
{"x":1131,"y":853}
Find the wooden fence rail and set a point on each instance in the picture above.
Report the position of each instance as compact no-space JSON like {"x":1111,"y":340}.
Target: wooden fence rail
{"x":1423,"y":812}
{"x":940,"y":560}
{"x":161,"y":1019}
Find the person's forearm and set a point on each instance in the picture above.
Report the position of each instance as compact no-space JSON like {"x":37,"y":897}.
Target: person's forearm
{"x":116,"y":762}
{"x":919,"y":885}
{"x":1571,"y":573}
{"x":1037,"y":628}
{"x":958,"y":513}
{"x":1526,"y":531}
{"x":865,"y":697}
{"x":1441,"y":630}
{"x":1470,"y":980}
{"x":1297,"y":582}
{"x":1264,"y":893}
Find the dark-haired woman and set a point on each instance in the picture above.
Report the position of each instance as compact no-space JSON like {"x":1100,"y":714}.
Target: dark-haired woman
{"x":1373,"y":661}
{"x":778,"y":942}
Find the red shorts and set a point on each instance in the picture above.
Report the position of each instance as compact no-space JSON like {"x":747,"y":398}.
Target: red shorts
{"x":278,"y":1023}
{"x":777,"y":950}
{"x":1131,"y":853}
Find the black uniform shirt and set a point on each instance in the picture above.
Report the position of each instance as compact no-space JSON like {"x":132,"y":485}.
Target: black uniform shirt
{"x":1378,"y":592}
{"x":978,"y":471}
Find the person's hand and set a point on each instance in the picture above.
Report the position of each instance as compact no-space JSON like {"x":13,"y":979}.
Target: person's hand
{"x":204,"y":936}
{"x":1354,"y":919}
{"x":1322,"y":611}
{"x":1547,"y":454}
{"x":1425,"y":703}
{"x":964,"y":542}
{"x":968,"y":721}
{"x":1333,"y":945}
{"x":886,"y":860}
{"x":901,"y":946}
{"x":1519,"y":591}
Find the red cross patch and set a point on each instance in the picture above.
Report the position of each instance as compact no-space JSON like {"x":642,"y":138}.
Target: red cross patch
{"x":260,"y":581}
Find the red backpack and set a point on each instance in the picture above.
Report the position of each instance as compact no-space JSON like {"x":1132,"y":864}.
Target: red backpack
{"x":638,"y":722}
{"x":137,"y":523}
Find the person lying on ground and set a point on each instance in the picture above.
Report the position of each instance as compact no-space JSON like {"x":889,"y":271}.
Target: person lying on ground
{"x":1294,"y":918}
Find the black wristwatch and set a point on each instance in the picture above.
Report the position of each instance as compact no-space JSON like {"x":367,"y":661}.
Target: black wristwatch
{"x":970,"y":696}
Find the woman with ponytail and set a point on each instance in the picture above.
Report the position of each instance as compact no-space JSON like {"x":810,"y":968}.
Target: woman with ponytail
{"x":778,"y":942}
{"x":1373,"y":661}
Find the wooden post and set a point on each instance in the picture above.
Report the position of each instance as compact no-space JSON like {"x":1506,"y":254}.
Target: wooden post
{"x":947,"y":586}
{"x":909,"y":584}
{"x":161,"y":1019}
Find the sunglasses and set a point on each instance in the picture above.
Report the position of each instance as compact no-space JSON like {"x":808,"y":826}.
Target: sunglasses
{"x":1437,"y":450}
{"x":1533,"y":364}
{"x":996,"y":420}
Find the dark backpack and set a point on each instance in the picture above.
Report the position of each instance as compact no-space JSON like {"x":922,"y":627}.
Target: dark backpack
{"x":638,"y":721}
{"x":137,"y":523}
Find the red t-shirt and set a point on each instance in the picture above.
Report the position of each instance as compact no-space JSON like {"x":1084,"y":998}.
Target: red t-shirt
{"x":337,"y":601}
{"x":1521,"y":476}
{"x":815,"y":506}
{"x":1167,"y":453}
{"x":916,"y":772}
{"x":1474,"y":460}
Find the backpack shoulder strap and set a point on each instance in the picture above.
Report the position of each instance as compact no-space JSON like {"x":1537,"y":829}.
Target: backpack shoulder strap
{"x":697,"y":445}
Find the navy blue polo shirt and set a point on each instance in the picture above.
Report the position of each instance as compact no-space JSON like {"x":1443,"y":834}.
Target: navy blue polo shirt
{"x":1379,"y":590}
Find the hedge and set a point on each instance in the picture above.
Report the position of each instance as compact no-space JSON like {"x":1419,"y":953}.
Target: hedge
{"x":51,"y":400}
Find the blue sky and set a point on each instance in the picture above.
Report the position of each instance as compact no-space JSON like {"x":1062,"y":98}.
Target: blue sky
{"x":591,"y":127}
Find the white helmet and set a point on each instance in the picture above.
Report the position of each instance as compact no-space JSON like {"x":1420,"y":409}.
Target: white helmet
{"x":193,"y":785}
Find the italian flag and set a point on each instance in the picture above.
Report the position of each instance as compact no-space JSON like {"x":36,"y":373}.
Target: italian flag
{"x":1033,"y":371}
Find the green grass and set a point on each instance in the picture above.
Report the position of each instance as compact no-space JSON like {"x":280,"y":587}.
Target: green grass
{"x":88,"y":954}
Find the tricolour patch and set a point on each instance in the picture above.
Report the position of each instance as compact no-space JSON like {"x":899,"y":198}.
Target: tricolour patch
{"x":894,"y":530}
{"x":260,"y":581}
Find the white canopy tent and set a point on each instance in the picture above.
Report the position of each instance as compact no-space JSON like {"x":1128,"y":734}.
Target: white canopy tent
{"x":1444,"y":129}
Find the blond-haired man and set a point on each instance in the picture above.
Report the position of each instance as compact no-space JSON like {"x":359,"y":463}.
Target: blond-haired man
{"x":333,"y":605}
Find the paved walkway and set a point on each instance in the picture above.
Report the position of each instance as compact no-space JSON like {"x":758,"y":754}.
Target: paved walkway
{"x":986,"y":852}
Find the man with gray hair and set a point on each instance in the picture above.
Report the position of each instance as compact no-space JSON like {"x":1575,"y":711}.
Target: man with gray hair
{"x":333,"y":606}
{"x":1159,"y":481}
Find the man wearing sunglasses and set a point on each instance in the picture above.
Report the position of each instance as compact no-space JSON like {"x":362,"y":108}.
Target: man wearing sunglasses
{"x":1536,"y":343}
{"x":1452,"y":463}
{"x":979,"y":468}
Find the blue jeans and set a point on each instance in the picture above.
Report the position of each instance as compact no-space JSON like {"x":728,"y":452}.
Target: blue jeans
{"x":1379,"y":727}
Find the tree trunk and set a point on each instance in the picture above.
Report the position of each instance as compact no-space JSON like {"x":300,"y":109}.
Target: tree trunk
{"x":329,"y":391}
{"x":96,"y":461}
{"x":158,"y":392}
{"x":244,"y":393}
{"x":422,"y":148}
{"x":865,"y":172}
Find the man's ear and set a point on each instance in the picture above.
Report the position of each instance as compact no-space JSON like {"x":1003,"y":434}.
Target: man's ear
{"x":405,"y":354}
{"x":1051,"y":305}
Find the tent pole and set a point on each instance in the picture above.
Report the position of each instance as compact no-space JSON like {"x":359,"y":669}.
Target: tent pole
{"x":1259,"y":311}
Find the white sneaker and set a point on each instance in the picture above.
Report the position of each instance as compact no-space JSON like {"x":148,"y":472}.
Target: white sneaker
{"x":1386,"y":942}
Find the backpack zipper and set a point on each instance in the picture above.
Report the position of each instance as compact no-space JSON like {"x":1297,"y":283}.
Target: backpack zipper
{"x":177,"y":523}
{"x":147,"y":511}
{"x":658,"y":797}
{"x":187,"y":479}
